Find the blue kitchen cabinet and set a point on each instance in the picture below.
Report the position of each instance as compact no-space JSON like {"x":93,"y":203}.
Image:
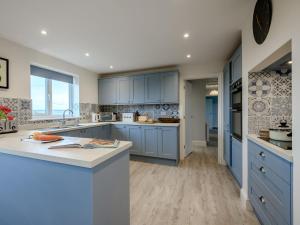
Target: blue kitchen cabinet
{"x":169,"y":87}
{"x":168,"y":142}
{"x":150,"y":140}
{"x":135,"y":135}
{"x":107,"y":91}
{"x":237,"y":158}
{"x":269,"y":185}
{"x":102,"y":132}
{"x":138,"y":89}
{"x":227,"y":131}
{"x":124,"y":93}
{"x":236,"y":65}
{"x":119,"y":132}
{"x":152,"y":88}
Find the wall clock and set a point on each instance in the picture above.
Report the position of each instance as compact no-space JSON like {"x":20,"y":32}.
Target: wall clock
{"x":262,"y":18}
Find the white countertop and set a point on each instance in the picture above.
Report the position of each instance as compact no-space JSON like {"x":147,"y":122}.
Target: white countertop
{"x":88,"y":158}
{"x":285,"y":154}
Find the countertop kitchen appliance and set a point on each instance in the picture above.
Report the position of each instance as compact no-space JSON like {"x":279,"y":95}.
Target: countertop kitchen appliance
{"x":95,"y":117}
{"x":128,"y":117}
{"x":8,"y":126}
{"x":108,"y":117}
{"x":282,"y":133}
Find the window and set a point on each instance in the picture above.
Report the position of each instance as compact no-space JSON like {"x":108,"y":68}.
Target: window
{"x":52,"y":93}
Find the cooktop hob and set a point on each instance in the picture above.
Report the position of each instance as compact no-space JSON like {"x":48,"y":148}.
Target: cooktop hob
{"x":286,"y":145}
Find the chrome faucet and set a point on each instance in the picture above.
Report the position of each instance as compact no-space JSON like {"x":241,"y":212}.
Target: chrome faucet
{"x":63,"y":123}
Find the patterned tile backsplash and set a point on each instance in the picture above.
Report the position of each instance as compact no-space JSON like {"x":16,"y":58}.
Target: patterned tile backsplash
{"x":22,"y":111}
{"x":153,"y":111}
{"x":270,"y":100}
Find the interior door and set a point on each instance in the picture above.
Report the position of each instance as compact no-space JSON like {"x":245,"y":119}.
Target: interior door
{"x":188,"y":118}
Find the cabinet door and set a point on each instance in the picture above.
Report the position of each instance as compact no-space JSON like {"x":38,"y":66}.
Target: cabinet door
{"x":107,"y":91}
{"x":236,"y":65}
{"x":138,"y":89}
{"x":72,"y":133}
{"x":168,"y":142}
{"x":170,"y":87}
{"x":153,"y":88}
{"x":236,"y":167}
{"x":135,"y":135}
{"x":124,"y":90}
{"x":227,"y":137}
{"x":119,"y":132}
{"x":150,"y":140}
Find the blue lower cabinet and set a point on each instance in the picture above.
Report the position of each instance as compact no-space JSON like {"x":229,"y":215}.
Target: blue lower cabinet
{"x":236,"y":162}
{"x":119,"y":132}
{"x":150,"y":137}
{"x":270,"y":185}
{"x":168,"y":143}
{"x":136,"y":136}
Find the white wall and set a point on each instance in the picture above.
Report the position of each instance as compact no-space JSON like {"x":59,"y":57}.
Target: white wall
{"x":198,"y":110}
{"x":20,"y":59}
{"x":193,"y":72}
{"x":284,"y":28}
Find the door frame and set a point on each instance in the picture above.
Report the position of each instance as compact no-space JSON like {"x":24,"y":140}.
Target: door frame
{"x":219,"y":76}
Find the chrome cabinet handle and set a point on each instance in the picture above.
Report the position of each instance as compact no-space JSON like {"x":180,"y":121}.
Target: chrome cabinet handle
{"x":262,"y":200}
{"x":262,"y":169}
{"x":262,"y":154}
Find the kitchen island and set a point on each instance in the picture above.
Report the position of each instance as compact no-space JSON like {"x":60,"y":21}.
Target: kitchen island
{"x":63,"y":186}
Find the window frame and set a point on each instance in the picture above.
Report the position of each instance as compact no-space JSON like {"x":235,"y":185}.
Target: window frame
{"x":48,"y":98}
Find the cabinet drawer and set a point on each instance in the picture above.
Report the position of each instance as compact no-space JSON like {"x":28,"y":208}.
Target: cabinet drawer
{"x":278,"y":165}
{"x":276,"y":189}
{"x":264,"y":204}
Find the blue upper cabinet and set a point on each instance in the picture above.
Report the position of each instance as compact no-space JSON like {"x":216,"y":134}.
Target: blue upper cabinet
{"x":236,"y":65}
{"x":169,"y":87}
{"x":227,"y":137}
{"x":124,"y":91}
{"x":152,"y":88}
{"x":138,"y":89}
{"x":107,"y":91}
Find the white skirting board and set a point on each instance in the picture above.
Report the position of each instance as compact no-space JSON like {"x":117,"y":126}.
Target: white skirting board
{"x":199,"y":143}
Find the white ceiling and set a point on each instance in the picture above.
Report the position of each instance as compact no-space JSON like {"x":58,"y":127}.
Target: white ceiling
{"x":128,"y":34}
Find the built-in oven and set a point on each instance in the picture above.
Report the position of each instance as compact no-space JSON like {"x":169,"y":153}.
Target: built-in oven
{"x":236,"y":95}
{"x":237,"y":124}
{"x":236,"y":110}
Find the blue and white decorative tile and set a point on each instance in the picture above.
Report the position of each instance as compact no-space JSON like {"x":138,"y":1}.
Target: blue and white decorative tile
{"x":260,"y":87}
{"x":259,"y":106}
{"x":281,"y":106}
{"x":282,"y":86}
{"x":12,"y":103}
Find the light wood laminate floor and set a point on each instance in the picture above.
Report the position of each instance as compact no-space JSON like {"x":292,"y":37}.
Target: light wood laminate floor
{"x":197,"y":192}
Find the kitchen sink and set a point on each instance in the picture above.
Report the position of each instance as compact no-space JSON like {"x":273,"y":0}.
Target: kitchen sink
{"x":60,"y":127}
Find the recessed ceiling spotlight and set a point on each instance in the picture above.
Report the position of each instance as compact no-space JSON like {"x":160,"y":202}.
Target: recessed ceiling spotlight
{"x":111,"y":67}
{"x":290,"y":62}
{"x":87,"y":54}
{"x":186,"y":35}
{"x":188,"y":56}
{"x":44,"y":32}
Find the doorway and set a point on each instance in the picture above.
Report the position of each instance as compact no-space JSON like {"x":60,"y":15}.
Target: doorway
{"x":202,"y":113}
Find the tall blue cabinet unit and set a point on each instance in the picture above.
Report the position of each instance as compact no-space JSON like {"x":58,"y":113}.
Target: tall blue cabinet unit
{"x":151,"y":88}
{"x":232,"y":147}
